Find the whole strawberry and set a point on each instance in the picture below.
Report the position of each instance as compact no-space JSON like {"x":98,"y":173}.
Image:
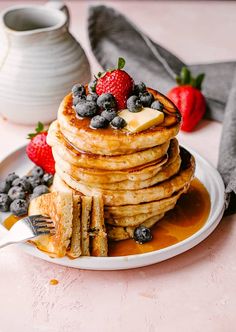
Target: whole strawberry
{"x":188,"y":99}
{"x":117,"y":82}
{"x":39,"y":151}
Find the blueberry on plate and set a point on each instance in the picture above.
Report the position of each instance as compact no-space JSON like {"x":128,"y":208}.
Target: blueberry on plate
{"x":139,"y":88}
{"x":86,"y":109}
{"x":142,"y":234}
{"x":118,"y":122}
{"x":92,"y":97}
{"x":40,"y":190}
{"x":33,"y":180}
{"x":109,"y":115}
{"x":47,"y":179}
{"x":4,"y":186}
{"x":98,"y":121}
{"x":78,"y":90}
{"x":16,"y":193}
{"x":146,"y":98}
{"x":134,"y":104}
{"x":22,"y":183}
{"x":5,"y":202}
{"x":106,"y":101}
{"x":92,"y":86}
{"x":37,"y":171}
{"x":19,"y":207}
{"x":11,"y":177}
{"x":157,"y":105}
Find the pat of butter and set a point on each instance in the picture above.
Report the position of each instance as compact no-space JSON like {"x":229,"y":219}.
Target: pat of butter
{"x":142,"y":120}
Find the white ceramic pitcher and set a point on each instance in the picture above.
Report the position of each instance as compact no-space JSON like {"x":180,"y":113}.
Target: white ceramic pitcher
{"x":39,"y":62}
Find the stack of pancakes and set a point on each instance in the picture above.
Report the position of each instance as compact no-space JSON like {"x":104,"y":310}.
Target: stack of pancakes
{"x":140,"y":176}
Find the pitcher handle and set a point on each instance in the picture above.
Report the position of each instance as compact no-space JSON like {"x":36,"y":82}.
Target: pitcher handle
{"x":59,"y":5}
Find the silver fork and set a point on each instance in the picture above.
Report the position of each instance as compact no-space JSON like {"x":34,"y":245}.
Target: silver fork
{"x":28,"y":228}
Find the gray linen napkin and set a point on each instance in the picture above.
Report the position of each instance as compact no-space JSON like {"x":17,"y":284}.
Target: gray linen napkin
{"x":112,"y":35}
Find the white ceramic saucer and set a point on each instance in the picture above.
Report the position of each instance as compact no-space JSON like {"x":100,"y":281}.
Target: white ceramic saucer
{"x":18,"y":162}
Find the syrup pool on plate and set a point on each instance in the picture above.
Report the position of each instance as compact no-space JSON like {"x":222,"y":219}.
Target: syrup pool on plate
{"x":189,"y":215}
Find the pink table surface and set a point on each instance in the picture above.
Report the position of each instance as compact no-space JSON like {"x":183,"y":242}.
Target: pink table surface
{"x":194,"y":291}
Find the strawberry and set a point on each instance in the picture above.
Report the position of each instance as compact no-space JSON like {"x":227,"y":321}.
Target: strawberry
{"x":188,"y":99}
{"x":117,"y":82}
{"x":39,"y":151}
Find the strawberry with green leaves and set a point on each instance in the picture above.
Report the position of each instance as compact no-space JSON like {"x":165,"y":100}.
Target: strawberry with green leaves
{"x":116,"y":82}
{"x":39,"y":151}
{"x":188,"y":98}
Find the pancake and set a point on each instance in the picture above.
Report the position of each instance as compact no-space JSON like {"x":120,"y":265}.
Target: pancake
{"x":146,"y":211}
{"x":157,"y":207}
{"x":156,"y":192}
{"x":124,"y":233}
{"x":112,"y":142}
{"x":75,"y":249}
{"x":99,"y":246}
{"x":59,"y":207}
{"x":163,"y":175}
{"x":86,"y":207}
{"x":128,"y":179}
{"x":67,"y":152}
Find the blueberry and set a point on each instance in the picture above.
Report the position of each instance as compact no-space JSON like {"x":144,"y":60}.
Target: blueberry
{"x":106,"y":101}
{"x":19,"y":207}
{"x":142,"y":234}
{"x":11,"y":177}
{"x":33,"y":180}
{"x":109,"y":115}
{"x":139,"y":88}
{"x":92,"y":86}
{"x":22,"y":183}
{"x":98,"y":121}
{"x":157,"y":105}
{"x":146,"y":98}
{"x":78,"y":90}
{"x":37,"y":171}
{"x":4,"y":186}
{"x":5,"y":202}
{"x":118,"y":122}
{"x":16,"y":193}
{"x":78,"y":99}
{"x":40,"y":190}
{"x":47,"y":179}
{"x":92,"y":97}
{"x":86,"y":109}
{"x":134,"y":104}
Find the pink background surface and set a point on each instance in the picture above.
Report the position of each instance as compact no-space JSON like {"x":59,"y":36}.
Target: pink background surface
{"x":194,"y":291}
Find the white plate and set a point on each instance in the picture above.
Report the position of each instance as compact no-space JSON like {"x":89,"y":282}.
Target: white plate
{"x":207,"y":174}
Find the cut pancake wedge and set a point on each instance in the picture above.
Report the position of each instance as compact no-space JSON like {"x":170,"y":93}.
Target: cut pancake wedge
{"x":59,"y":207}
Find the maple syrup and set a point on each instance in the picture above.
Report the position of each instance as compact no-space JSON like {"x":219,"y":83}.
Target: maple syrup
{"x":188,"y":216}
{"x":54,"y":282}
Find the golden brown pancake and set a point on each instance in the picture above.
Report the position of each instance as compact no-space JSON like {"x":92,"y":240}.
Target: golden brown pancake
{"x":128,"y":179}
{"x":67,"y":152}
{"x":156,"y":192}
{"x":124,"y":233}
{"x":115,"y":142}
